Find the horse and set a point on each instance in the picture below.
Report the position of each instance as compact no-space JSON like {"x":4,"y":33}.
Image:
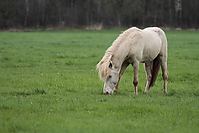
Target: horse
{"x":134,"y":46}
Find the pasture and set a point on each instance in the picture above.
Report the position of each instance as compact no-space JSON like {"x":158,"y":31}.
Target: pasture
{"x":48,"y":83}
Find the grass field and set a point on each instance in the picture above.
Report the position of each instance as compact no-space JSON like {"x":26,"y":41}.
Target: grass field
{"x":48,"y":83}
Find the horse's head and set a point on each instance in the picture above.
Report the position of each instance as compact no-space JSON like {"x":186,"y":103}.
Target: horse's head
{"x":111,"y":80}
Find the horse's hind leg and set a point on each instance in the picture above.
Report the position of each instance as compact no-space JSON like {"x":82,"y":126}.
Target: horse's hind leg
{"x":164,"y":72}
{"x":147,"y":67}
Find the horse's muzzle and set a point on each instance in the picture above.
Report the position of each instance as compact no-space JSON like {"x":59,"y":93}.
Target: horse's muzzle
{"x":108,"y":93}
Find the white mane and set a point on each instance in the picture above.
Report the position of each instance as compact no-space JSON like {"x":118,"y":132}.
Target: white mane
{"x":103,"y":65}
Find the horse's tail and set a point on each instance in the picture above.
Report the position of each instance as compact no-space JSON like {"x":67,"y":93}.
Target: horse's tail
{"x":155,"y":67}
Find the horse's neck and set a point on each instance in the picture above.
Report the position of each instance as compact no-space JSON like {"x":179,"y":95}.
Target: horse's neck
{"x":121,"y":55}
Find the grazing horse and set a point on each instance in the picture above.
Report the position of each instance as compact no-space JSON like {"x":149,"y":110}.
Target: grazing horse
{"x":134,"y":46}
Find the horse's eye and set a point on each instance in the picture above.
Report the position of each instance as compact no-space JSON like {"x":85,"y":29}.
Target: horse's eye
{"x":109,"y":76}
{"x":110,"y":65}
{"x":114,"y":83}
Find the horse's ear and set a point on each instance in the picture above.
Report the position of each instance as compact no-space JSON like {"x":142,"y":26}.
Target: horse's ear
{"x":110,"y":65}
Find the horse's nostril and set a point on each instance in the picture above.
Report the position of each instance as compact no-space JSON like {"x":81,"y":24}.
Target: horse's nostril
{"x":106,"y":93}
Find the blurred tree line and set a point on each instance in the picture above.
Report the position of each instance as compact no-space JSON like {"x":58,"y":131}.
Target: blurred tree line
{"x":109,"y":13}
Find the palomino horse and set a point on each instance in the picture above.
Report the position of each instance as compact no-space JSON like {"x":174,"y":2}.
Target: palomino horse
{"x":135,"y":46}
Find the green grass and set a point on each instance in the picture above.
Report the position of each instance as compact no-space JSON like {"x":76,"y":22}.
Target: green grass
{"x":48,"y":83}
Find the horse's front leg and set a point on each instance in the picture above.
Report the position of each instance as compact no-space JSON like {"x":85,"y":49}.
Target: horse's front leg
{"x":135,"y":79}
{"x":122,"y":70}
